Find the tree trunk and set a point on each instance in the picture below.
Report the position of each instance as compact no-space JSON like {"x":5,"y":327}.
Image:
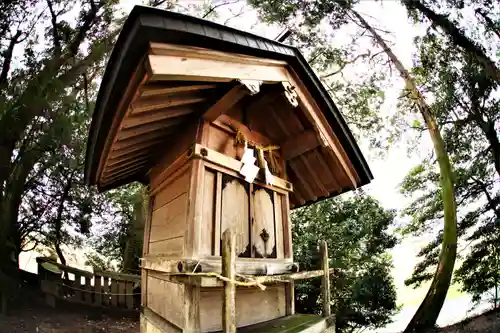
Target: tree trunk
{"x":457,"y":37}
{"x":428,"y":312}
{"x":133,"y":244}
{"x":489,"y":131}
{"x":58,"y":221}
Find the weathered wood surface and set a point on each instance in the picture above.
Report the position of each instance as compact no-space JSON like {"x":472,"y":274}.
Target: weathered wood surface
{"x":263,"y":228}
{"x":163,"y":67}
{"x":166,"y":298}
{"x":299,"y":323}
{"x":244,"y":267}
{"x":325,"y":280}
{"x":252,"y":306}
{"x":207,"y":281}
{"x":101,"y":288}
{"x":232,"y":164}
{"x":229,"y":271}
{"x":235,"y":213}
{"x":151,"y":322}
{"x":290,"y":298}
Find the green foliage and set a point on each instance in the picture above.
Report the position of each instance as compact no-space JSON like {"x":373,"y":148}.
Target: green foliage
{"x":480,"y":271}
{"x":356,"y":231}
{"x":44,"y":113}
{"x":466,"y":105}
{"x":118,"y":237}
{"x":335,"y":51}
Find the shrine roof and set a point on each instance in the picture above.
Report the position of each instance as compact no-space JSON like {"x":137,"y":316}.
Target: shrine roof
{"x":146,"y":26}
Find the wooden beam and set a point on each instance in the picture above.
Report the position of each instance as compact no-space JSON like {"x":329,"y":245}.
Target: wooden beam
{"x":158,"y":182}
{"x":325,"y":132}
{"x":142,"y":142}
{"x":290,"y":298}
{"x":233,"y":164}
{"x":113,"y":161}
{"x":161,"y":67}
{"x":325,"y":280}
{"x":138,"y":78}
{"x":202,"y":280}
{"x":157,"y":115}
{"x":307,"y":141}
{"x":109,"y":179}
{"x":243,"y":267}
{"x":252,"y":136}
{"x":198,"y":52}
{"x":124,"y":168}
{"x":300,"y":198}
{"x":298,"y":145}
{"x":314,"y":174}
{"x":229,"y":271}
{"x":117,"y":163}
{"x":163,"y":102}
{"x":218,"y":215}
{"x":128,"y":133}
{"x":154,"y":89}
{"x":299,"y":175}
{"x":223,"y":105}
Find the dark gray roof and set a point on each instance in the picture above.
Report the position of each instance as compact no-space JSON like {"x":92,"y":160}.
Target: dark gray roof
{"x":147,"y":24}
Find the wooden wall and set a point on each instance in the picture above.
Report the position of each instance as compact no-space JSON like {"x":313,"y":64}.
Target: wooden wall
{"x":193,"y":203}
{"x":252,"y":306}
{"x":166,"y":298}
{"x":168,"y":217}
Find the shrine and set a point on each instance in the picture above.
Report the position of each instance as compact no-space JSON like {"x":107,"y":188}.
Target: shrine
{"x":229,"y":131}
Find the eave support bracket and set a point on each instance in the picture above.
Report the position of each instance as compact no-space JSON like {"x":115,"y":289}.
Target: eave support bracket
{"x":253,"y":86}
{"x":290,"y":94}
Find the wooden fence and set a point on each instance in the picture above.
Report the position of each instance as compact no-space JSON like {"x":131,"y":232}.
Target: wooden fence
{"x":98,"y":288}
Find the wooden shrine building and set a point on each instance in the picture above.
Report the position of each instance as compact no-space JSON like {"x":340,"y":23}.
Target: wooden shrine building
{"x":229,"y":131}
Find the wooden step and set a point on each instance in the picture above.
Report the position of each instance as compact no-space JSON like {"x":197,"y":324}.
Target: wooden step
{"x":298,"y":323}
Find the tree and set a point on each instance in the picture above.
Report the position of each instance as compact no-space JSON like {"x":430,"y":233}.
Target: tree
{"x":120,"y":236}
{"x":38,"y":87}
{"x":355,"y":229}
{"x":57,"y":207}
{"x":457,"y":36}
{"x":480,"y":271}
{"x":466,"y":105}
{"x":428,"y":312}
{"x":337,"y":13}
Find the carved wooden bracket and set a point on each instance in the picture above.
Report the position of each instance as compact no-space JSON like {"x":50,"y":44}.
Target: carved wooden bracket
{"x":290,"y":94}
{"x":252,"y":85}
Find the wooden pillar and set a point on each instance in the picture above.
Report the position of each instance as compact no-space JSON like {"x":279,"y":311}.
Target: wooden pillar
{"x":97,"y":289}
{"x":290,"y":298}
{"x":229,"y":270}
{"x":325,"y":280}
{"x":78,"y":287}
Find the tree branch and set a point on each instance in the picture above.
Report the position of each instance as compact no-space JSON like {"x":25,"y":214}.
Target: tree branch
{"x":8,"y":57}
{"x":55,"y":35}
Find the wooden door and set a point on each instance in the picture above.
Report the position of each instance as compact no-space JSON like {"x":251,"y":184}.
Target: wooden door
{"x":263,"y":225}
{"x":235,"y":212}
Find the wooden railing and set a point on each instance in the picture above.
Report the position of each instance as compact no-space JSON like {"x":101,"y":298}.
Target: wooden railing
{"x":98,"y":288}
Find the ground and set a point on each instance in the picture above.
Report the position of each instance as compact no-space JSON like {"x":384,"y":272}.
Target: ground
{"x":486,"y":323}
{"x":31,"y":315}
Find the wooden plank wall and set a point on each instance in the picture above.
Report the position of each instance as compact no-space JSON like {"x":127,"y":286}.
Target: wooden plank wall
{"x":166,"y":298}
{"x":252,"y":306}
{"x":168,"y":221}
{"x":207,"y":229}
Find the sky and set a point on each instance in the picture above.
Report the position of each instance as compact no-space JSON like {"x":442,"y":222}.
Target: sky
{"x":390,"y":170}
